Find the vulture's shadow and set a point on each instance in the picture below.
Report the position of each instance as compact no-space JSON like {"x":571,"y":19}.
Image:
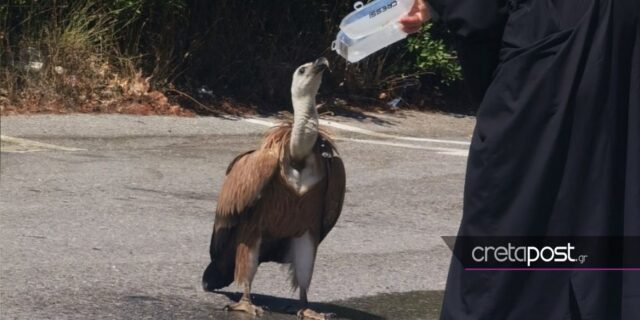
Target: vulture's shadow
{"x":290,"y":306}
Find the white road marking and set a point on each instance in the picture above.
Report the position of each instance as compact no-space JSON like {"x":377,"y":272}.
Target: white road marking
{"x":388,"y":136}
{"x":19,"y":145}
{"x":446,"y":151}
{"x":260,"y":122}
{"x":439,"y":150}
{"x":346,"y":127}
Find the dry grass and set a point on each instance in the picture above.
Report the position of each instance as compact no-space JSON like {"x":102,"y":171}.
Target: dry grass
{"x":72,"y":64}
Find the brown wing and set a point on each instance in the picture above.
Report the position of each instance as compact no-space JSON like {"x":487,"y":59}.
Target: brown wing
{"x":336,"y":182}
{"x":246,"y":176}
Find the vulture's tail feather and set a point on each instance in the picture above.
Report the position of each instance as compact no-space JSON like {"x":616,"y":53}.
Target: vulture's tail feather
{"x":220,"y":271}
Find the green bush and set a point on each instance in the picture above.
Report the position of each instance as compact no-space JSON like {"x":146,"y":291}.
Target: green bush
{"x":433,"y":56}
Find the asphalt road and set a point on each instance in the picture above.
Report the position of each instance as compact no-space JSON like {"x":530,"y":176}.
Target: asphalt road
{"x":105,"y":217}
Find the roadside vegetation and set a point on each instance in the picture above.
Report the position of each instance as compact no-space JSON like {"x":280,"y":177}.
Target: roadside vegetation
{"x":204,"y":56}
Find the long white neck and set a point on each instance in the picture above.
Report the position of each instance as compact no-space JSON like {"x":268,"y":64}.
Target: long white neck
{"x":305,"y":126}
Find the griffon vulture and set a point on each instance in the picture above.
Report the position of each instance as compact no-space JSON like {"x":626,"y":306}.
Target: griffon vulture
{"x":278,"y":202}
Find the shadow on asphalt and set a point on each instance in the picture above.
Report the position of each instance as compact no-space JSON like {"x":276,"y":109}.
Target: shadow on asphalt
{"x":409,"y":305}
{"x":288,"y":306}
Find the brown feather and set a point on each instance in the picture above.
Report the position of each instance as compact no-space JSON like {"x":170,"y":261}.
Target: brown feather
{"x":334,"y":197}
{"x":245,"y":180}
{"x":258,"y":203}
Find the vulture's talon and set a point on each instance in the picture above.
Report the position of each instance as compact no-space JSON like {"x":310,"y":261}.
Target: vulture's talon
{"x":309,"y":314}
{"x":245,"y":306}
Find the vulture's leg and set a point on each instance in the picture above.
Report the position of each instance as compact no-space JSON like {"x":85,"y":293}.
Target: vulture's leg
{"x":246,"y":267}
{"x":304,"y":256}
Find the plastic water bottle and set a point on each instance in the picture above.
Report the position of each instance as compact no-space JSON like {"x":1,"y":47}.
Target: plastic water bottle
{"x":370,"y":28}
{"x":355,"y":50}
{"x":376,"y":15}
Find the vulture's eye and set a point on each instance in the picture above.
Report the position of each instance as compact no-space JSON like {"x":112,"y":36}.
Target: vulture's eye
{"x":301,"y":70}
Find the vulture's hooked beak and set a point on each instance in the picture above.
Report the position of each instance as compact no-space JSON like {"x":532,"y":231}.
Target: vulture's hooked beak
{"x":321,"y":64}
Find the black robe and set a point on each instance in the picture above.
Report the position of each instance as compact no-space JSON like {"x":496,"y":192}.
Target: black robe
{"x":555,"y":151}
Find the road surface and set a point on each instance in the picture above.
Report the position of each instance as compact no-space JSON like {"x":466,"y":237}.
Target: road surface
{"x":110,"y":216}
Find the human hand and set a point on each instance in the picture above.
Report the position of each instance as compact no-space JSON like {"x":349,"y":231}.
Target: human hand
{"x":414,"y":19}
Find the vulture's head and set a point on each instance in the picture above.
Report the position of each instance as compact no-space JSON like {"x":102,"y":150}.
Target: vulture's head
{"x":307,"y":78}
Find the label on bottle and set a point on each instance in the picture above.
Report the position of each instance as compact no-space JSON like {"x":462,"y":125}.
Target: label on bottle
{"x":382,"y":9}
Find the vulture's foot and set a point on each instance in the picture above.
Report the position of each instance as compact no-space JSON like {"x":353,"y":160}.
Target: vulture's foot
{"x":309,"y":314}
{"x":245,"y":306}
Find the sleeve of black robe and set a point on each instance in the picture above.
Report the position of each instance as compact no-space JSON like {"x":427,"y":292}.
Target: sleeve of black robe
{"x":477,"y":26}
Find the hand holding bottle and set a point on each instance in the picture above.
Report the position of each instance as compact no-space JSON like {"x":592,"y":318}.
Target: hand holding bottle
{"x":414,"y":19}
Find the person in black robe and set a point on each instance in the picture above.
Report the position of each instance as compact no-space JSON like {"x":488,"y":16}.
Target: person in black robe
{"x":555,"y":151}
